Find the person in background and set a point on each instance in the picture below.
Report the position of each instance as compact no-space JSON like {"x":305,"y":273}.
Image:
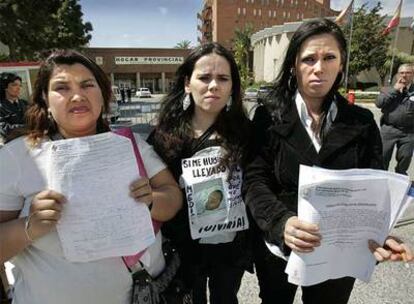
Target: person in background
{"x":12,"y":108}
{"x":122,"y":90}
{"x":128,"y":93}
{"x":313,"y":125}
{"x":70,"y":96}
{"x":203,"y":114}
{"x":397,"y":120}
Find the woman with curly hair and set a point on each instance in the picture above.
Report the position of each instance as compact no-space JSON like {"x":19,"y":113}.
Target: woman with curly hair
{"x":202,"y":123}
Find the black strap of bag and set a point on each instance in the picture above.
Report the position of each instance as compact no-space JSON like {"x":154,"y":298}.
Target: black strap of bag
{"x":199,"y":142}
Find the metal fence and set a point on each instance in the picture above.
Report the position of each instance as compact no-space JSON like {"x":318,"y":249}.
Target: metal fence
{"x":141,"y":116}
{"x":139,"y":113}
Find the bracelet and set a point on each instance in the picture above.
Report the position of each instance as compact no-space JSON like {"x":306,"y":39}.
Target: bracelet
{"x":26,"y":228}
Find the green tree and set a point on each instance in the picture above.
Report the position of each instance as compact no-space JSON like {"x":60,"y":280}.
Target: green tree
{"x":399,"y":58}
{"x":29,"y":27}
{"x":4,"y":57}
{"x":183,"y":44}
{"x":369,"y":47}
{"x":242,"y":50}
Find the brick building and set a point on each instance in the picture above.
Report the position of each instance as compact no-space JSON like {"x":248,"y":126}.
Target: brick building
{"x":219,"y":18}
{"x":139,"y":67}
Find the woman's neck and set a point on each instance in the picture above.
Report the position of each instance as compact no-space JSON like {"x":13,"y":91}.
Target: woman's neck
{"x":201,"y":121}
{"x":11,"y":98}
{"x":313,"y":105}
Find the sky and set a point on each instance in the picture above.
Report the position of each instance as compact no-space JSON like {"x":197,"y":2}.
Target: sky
{"x":164,"y":23}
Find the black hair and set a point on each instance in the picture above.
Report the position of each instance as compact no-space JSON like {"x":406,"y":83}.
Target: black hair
{"x":174,"y":132}
{"x":38,"y":123}
{"x":5,"y":79}
{"x":285,"y":85}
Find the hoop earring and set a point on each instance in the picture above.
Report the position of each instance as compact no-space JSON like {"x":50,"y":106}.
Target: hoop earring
{"x":186,"y":102}
{"x":50,"y":119}
{"x":228,"y":104}
{"x":342,"y":78}
{"x":291,"y":86}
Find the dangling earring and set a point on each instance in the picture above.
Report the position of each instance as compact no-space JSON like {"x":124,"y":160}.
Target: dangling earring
{"x":50,"y":121}
{"x":49,"y":115}
{"x":228,"y":104}
{"x":186,"y":102}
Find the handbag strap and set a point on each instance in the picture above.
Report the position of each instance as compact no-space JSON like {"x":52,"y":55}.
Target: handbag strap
{"x":127,"y":132}
{"x":199,"y":142}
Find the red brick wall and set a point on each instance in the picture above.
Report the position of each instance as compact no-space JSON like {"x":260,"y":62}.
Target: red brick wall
{"x":231,"y":14}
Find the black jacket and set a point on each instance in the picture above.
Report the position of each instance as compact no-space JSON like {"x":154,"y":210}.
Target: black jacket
{"x":11,"y":116}
{"x":271,"y":181}
{"x":397,"y":108}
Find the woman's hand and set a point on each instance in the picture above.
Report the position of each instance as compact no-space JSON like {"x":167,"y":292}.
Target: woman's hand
{"x":393,"y":249}
{"x":301,"y":236}
{"x":45,"y":211}
{"x":141,"y":191}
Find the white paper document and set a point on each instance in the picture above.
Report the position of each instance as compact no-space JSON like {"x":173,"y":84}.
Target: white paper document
{"x":100,"y":219}
{"x":351,"y":207}
{"x":215,"y":203}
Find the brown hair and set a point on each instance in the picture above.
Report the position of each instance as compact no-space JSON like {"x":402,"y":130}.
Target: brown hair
{"x":37,"y":121}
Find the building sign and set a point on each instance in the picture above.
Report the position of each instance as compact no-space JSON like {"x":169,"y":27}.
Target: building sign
{"x":149,"y":60}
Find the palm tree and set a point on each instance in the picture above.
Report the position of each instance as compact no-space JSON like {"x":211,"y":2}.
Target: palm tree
{"x":242,"y":48}
{"x":183,"y":44}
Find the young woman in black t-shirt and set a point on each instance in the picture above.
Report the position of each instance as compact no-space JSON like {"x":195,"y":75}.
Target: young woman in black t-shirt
{"x":202,"y":122}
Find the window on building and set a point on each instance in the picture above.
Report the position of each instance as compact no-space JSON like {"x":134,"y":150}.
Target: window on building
{"x":244,"y":11}
{"x":254,"y":12}
{"x":288,"y":15}
{"x":274,"y":14}
{"x":238,"y":11}
{"x":260,"y":12}
{"x":284,"y":14}
{"x":270,"y":13}
{"x":99,"y":60}
{"x":298,"y":16}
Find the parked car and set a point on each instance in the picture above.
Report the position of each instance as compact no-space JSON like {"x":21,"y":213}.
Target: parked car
{"x":251,"y":94}
{"x":264,"y":90}
{"x":143,"y":92}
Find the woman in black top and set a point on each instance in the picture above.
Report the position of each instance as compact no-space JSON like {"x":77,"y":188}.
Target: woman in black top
{"x":12,"y":108}
{"x":202,"y":134}
{"x":311,"y":124}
